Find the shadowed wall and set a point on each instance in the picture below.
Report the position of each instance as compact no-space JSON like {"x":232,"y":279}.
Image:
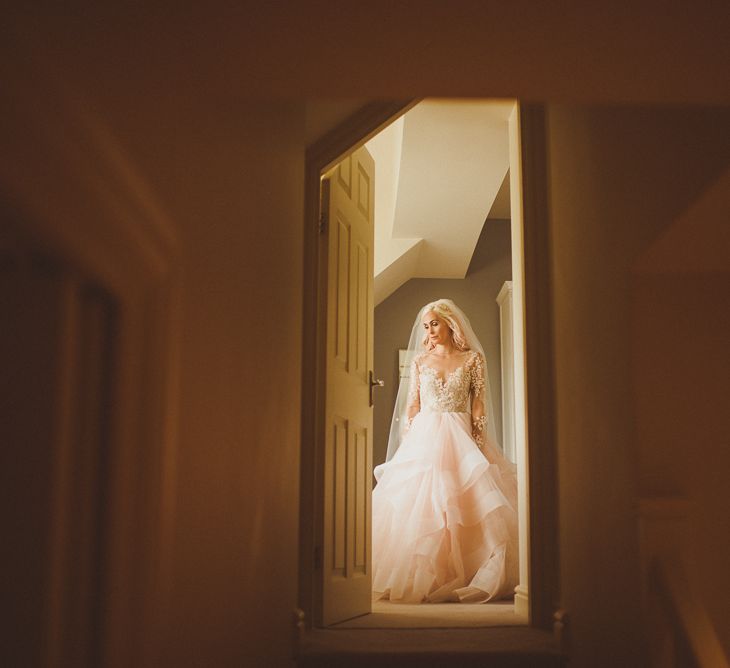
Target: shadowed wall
{"x":681,"y":375}
{"x":616,"y":184}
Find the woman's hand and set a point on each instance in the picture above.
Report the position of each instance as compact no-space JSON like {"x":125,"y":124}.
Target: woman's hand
{"x":478,"y":429}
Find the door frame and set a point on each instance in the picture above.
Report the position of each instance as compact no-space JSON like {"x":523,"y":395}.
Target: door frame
{"x":543,"y":567}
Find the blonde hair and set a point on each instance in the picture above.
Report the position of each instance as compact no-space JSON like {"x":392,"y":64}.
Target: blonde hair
{"x":442,"y":309}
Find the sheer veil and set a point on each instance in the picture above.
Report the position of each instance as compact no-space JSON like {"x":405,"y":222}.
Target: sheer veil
{"x":416,"y":346}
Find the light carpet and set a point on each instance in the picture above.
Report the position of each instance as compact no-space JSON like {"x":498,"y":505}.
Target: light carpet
{"x":387,"y":615}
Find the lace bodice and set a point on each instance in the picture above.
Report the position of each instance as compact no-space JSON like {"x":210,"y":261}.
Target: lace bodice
{"x":449,"y":394}
{"x":459,"y":391}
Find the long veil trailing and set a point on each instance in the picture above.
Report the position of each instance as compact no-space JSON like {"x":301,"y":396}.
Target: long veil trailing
{"x":416,"y":345}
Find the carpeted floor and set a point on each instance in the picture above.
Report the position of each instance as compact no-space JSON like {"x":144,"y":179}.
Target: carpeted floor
{"x":387,"y":615}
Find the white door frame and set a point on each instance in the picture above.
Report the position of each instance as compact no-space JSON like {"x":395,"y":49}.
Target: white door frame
{"x":541,"y":463}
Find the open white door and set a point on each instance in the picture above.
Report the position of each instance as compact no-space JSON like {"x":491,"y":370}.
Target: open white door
{"x":348,"y":201}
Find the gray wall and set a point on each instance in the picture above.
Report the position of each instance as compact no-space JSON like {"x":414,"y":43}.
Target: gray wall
{"x":490,"y":267}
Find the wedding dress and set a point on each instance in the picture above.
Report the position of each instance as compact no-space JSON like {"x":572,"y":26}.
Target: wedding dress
{"x":444,"y":507}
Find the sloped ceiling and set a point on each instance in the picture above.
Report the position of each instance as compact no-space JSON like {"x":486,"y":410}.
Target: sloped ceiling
{"x":438,"y":171}
{"x":501,"y":206}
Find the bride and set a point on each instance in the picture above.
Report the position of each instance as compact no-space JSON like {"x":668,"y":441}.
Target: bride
{"x":444,"y":507}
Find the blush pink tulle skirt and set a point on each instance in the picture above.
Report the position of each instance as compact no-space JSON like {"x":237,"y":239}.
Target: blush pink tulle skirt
{"x":444,"y":517}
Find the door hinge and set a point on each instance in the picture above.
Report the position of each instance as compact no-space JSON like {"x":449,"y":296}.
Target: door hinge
{"x":322,"y":222}
{"x":317,"y":557}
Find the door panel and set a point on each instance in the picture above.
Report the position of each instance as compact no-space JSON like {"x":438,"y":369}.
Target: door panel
{"x":339,"y":495}
{"x":341,"y":286}
{"x":362,"y":528}
{"x":361,"y":340}
{"x":346,"y":573}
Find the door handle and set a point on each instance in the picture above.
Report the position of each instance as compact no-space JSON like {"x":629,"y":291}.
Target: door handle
{"x":374,"y":383}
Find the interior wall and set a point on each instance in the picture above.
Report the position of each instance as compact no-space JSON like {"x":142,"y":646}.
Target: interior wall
{"x":657,"y":52}
{"x":235,"y":191}
{"x":681,"y":317}
{"x":618,"y":177}
{"x":229,"y":177}
{"x":238,"y":463}
{"x":490,"y":267}
{"x":681,"y":388}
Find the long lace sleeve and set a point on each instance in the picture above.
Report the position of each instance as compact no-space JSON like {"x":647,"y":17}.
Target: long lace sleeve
{"x":478,"y":399}
{"x":414,"y":394}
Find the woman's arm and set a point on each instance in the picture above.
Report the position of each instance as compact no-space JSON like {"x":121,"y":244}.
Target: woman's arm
{"x":414,"y":394}
{"x":478,"y":400}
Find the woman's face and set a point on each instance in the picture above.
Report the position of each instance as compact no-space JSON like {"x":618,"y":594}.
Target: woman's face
{"x":437,"y":330}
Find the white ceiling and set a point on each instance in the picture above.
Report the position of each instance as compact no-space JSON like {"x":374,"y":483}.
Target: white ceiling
{"x":438,"y":171}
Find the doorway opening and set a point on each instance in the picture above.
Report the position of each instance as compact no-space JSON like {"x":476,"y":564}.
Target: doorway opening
{"x":477,"y":257}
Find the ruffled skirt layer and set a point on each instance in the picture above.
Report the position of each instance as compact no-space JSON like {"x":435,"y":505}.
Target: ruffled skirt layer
{"x":444,"y":517}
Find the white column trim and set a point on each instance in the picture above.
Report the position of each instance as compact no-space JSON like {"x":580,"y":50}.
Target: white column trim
{"x":507,"y":363}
